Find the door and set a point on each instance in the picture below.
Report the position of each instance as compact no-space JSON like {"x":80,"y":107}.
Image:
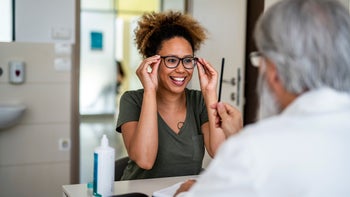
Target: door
{"x":225,"y":22}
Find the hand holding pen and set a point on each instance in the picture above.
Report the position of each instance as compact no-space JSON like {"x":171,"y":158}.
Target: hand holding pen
{"x":228,"y":118}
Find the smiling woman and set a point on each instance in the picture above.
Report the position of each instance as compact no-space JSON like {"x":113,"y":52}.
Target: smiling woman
{"x":167,"y":127}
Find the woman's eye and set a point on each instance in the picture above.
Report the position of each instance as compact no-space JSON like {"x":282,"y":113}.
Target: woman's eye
{"x":187,"y":60}
{"x":172,"y":60}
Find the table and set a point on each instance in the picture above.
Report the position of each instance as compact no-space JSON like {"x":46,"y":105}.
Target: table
{"x":146,"y":186}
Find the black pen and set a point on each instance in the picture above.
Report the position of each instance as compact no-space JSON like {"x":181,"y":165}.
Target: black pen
{"x":221,"y":76}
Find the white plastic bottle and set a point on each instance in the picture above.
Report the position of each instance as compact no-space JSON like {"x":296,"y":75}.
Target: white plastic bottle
{"x":104,"y":158}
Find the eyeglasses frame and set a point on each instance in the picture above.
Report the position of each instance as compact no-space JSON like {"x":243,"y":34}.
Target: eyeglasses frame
{"x":195,"y":59}
{"x":255,"y":58}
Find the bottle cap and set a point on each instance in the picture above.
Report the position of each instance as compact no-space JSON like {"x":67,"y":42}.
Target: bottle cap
{"x":104,"y":141}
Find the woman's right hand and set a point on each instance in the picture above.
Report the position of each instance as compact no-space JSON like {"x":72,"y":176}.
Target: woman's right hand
{"x":208,"y":77}
{"x":147,"y":72}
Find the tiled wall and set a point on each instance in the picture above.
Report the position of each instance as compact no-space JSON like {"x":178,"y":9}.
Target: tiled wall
{"x":31,"y":161}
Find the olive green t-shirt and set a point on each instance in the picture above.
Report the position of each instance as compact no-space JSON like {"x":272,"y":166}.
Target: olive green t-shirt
{"x":178,"y":154}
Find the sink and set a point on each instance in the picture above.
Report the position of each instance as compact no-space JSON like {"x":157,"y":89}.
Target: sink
{"x":10,"y":114}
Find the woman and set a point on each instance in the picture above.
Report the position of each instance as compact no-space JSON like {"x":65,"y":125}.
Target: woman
{"x":166,"y":126}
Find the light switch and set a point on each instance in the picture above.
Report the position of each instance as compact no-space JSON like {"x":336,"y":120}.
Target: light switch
{"x":63,"y":49}
{"x":61,"y":33}
{"x":16,"y":72}
{"x":63,"y":64}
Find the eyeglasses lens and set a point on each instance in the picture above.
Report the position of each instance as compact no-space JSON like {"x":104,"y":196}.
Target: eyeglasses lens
{"x":173,"y":62}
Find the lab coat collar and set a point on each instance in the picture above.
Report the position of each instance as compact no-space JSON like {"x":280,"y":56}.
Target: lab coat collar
{"x":323,"y":100}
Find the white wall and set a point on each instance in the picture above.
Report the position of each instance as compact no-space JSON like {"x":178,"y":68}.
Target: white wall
{"x":31,"y":162}
{"x":45,"y":21}
{"x":97,"y":67}
{"x":226,"y":26}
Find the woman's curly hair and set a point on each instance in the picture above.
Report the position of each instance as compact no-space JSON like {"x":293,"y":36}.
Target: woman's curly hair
{"x":154,"y":28}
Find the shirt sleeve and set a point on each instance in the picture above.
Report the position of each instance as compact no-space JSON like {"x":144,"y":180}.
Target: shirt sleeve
{"x":229,"y":174}
{"x":129,"y":108}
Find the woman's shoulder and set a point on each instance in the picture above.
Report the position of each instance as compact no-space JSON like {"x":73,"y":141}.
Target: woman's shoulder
{"x":132,"y":95}
{"x":137,"y":92}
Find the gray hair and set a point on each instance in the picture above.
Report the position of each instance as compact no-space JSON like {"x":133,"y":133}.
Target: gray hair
{"x":309,"y":41}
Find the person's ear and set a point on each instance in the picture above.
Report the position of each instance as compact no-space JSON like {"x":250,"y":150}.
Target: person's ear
{"x":272,"y":77}
{"x":283,"y":96}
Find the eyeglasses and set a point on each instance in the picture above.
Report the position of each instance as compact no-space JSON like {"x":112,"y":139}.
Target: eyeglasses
{"x":256,"y":58}
{"x":173,"y":61}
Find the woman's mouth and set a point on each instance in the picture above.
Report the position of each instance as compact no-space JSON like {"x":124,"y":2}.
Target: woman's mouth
{"x":179,"y":81}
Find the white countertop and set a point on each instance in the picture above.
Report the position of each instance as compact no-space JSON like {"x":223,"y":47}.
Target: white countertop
{"x":146,"y":186}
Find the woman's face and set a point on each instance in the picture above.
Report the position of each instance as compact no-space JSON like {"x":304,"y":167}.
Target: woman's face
{"x":175,"y":79}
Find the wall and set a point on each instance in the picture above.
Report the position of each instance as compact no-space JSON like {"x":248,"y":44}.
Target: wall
{"x":31,"y":162}
{"x":225,"y":26}
{"x":45,"y":21}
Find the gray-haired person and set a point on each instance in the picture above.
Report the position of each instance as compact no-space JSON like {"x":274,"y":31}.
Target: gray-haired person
{"x":301,"y":145}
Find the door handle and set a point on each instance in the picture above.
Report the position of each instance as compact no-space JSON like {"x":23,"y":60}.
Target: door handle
{"x":232,"y":81}
{"x":239,"y":78}
{"x":233,"y":96}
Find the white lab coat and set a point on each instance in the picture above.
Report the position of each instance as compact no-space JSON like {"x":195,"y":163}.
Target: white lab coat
{"x":303,"y":152}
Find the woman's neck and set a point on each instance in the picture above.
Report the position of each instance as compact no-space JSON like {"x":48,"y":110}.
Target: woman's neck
{"x":168,"y":100}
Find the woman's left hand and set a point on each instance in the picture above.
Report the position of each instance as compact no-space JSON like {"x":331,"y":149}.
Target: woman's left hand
{"x":208,"y":77}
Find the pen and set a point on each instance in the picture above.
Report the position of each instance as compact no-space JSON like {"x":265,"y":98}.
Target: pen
{"x":221,"y":76}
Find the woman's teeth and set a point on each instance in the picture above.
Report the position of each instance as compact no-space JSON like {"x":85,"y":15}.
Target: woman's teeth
{"x":180,"y":79}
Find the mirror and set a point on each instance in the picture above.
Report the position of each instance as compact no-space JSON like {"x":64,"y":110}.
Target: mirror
{"x":108,"y":50}
{"x":108,"y":62}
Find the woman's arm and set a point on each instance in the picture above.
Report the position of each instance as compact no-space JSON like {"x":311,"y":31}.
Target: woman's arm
{"x":213,"y":136}
{"x":141,"y":137}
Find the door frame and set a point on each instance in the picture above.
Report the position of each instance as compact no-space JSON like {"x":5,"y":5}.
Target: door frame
{"x":254,"y":10}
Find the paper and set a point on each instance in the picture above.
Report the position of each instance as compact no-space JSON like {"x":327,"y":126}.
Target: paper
{"x":168,"y":191}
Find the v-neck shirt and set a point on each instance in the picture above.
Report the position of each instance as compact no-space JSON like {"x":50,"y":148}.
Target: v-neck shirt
{"x":179,"y":153}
